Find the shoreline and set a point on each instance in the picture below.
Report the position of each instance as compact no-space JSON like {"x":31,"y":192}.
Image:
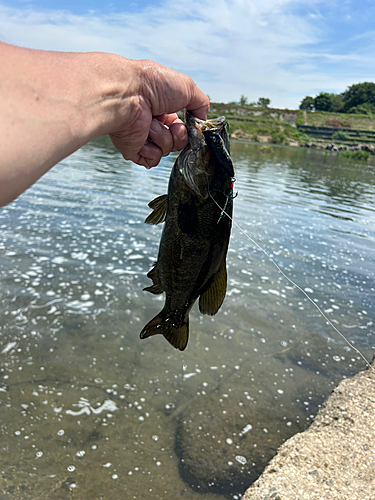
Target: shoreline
{"x":265,"y":140}
{"x":334,"y":458}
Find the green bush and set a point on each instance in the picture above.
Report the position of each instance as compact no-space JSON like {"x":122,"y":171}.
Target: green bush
{"x":340,"y":136}
{"x":356,"y":155}
{"x":363,"y":109}
{"x":301,"y":137}
{"x":278,"y":137}
{"x":262,"y":130}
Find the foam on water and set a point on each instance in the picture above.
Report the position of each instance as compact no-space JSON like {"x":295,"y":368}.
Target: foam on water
{"x":87,"y":406}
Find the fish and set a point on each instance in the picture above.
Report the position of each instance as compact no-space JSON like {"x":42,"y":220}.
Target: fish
{"x":191,"y":261}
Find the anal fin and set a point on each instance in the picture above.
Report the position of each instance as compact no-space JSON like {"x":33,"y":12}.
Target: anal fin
{"x":210,"y":301}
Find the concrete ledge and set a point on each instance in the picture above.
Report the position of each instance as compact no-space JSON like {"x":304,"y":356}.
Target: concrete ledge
{"x":334,"y":459}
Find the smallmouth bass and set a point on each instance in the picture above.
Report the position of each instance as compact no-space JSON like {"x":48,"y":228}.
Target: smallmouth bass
{"x":193,"y":247}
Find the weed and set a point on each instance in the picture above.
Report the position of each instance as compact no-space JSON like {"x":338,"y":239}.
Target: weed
{"x":340,"y":136}
{"x":278,"y":137}
{"x":356,"y":155}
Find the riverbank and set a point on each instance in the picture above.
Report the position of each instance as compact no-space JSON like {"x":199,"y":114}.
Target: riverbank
{"x":296,"y":127}
{"x":357,"y":152}
{"x":334,"y":458}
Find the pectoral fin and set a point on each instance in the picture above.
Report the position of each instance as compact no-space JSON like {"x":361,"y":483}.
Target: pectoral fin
{"x":210,"y":301}
{"x":159,"y":210}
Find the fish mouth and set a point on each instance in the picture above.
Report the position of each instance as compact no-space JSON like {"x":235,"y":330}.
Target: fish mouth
{"x":200,"y":131}
{"x":193,"y":123}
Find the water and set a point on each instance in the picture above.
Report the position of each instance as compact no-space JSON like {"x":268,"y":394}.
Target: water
{"x":88,"y":410}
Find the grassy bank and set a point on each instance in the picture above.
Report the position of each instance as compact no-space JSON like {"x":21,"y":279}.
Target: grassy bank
{"x":336,"y":120}
{"x":278,"y":126}
{"x":259,"y":124}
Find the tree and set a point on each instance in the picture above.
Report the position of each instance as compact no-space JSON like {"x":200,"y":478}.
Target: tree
{"x":322,"y":102}
{"x":358,"y":98}
{"x":328,"y":102}
{"x":358,"y":94}
{"x":244,"y":100}
{"x":337,"y":103}
{"x":307,"y":103}
{"x":263,"y":102}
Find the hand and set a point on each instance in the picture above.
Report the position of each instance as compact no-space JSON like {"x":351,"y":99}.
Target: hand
{"x":152,"y":129}
{"x":52,"y":103}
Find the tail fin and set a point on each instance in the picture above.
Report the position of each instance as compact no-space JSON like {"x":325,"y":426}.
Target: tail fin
{"x":177,"y":335}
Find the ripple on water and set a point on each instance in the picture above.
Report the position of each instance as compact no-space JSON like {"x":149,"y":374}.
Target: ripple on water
{"x":87,"y":406}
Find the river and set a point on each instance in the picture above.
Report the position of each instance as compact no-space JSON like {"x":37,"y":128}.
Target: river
{"x":88,"y":410}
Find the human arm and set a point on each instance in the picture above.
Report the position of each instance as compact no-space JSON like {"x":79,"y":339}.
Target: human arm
{"x":52,"y":103}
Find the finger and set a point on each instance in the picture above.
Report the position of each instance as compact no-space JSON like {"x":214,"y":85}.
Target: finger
{"x":177,"y":128}
{"x":149,"y":156}
{"x":179,"y":135}
{"x":161,"y":136}
{"x":199,"y":102}
{"x":200,"y":113}
{"x":168,"y":118}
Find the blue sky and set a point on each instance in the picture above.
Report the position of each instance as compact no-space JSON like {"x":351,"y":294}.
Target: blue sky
{"x":281,"y":49}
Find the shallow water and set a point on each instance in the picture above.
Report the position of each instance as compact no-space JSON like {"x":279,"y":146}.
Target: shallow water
{"x":88,"y":410}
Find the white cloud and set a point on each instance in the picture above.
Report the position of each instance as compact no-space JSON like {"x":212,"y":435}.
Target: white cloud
{"x":230,"y":47}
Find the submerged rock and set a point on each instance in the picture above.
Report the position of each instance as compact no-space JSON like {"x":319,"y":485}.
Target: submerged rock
{"x":224,"y":444}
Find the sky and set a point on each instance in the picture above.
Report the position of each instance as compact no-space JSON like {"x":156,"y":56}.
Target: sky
{"x":280,"y":49}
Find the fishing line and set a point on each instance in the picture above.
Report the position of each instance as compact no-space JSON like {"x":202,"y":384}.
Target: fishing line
{"x":295,"y":285}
